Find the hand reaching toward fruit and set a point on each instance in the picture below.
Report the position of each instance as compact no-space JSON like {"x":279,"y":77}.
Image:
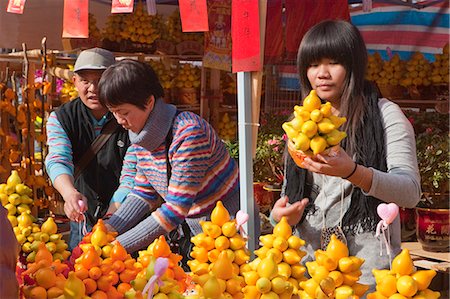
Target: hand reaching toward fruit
{"x":292,"y":212}
{"x":72,"y":206}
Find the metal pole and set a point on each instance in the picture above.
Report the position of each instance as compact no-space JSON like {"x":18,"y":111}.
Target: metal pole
{"x":246,"y":158}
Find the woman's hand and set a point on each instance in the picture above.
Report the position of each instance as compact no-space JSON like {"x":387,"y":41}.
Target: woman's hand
{"x":335,"y":162}
{"x":292,"y":212}
{"x":72,"y":208}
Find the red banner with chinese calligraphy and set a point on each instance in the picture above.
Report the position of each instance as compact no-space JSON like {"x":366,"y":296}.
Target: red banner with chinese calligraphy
{"x":16,"y":6}
{"x":76,"y":20}
{"x":194,"y":15}
{"x":217,"y":54}
{"x":122,"y":6}
{"x":302,"y":15}
{"x":245,"y":34}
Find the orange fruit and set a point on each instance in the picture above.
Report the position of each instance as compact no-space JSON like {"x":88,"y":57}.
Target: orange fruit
{"x":145,"y":260}
{"x":114,"y":277}
{"x":129,"y":263}
{"x":95,"y":273}
{"x":38,"y":293}
{"x":54,"y":292}
{"x":45,"y":278}
{"x":123,"y":287}
{"x":127,"y":275}
{"x":99,"y":295}
{"x":104,"y":283}
{"x":161,"y":248}
{"x":112,"y":293}
{"x":118,"y":266}
{"x":81,"y":273}
{"x":118,"y":252}
{"x":106,"y":268}
{"x":90,"y":284}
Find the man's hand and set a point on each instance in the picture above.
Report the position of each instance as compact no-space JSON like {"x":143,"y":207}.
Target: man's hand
{"x":73,"y":207}
{"x":292,"y":212}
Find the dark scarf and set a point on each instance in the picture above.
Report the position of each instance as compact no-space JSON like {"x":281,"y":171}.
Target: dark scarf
{"x":362,"y":213}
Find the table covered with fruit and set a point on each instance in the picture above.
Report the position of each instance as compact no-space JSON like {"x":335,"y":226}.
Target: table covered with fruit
{"x":221,"y":265}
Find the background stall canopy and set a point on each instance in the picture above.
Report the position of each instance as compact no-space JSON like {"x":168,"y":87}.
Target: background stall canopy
{"x":404,"y":29}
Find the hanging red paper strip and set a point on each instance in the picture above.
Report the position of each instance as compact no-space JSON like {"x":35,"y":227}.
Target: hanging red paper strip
{"x":122,"y":6}
{"x":16,"y":6}
{"x":273,"y":50}
{"x":194,"y":15}
{"x":75,"y":19}
{"x":245,"y":35}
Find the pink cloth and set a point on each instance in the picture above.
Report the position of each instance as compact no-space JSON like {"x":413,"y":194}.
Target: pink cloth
{"x":9,"y":250}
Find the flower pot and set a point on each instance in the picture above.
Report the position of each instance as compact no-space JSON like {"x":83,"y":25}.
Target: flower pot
{"x":433,"y":229}
{"x":408,"y":224}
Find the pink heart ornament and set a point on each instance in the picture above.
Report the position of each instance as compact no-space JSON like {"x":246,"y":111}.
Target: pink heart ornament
{"x":387,"y":212}
{"x":241,"y":218}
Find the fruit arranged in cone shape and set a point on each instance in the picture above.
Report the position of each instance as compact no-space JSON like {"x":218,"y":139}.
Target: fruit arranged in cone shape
{"x":173,"y":281}
{"x":219,"y":256}
{"x":334,"y":274}
{"x":104,"y":267}
{"x":403,"y":280}
{"x":44,"y":276}
{"x":314,"y":128}
{"x":16,"y":198}
{"x":277,"y":271}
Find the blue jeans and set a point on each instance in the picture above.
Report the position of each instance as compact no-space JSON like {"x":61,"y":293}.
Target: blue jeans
{"x":75,"y":233}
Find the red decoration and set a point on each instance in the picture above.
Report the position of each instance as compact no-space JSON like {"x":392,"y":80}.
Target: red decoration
{"x":16,"y":6}
{"x":75,"y":20}
{"x":245,"y":35}
{"x":194,"y":15}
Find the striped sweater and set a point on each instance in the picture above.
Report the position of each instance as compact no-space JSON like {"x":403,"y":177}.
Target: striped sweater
{"x":202,"y":172}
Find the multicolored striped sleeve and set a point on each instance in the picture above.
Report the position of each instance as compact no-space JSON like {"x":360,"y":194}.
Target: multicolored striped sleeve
{"x":59,"y":158}
{"x":127,"y":176}
{"x":190,"y":164}
{"x":142,"y":187}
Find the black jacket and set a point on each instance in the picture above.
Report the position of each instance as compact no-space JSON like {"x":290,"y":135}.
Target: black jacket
{"x":100,"y":179}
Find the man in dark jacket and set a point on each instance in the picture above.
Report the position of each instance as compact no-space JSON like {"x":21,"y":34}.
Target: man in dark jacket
{"x":87,"y":187}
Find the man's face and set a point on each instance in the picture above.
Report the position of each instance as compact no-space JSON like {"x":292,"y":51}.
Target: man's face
{"x":86,"y":82}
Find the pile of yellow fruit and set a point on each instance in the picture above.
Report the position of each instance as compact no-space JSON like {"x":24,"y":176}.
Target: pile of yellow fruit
{"x":94,"y":32}
{"x":221,"y":250}
{"x":403,"y":281}
{"x":277,"y":271}
{"x":314,"y":128}
{"x":68,"y":91}
{"x":164,"y":72}
{"x":374,"y":67}
{"x":113,"y":27}
{"x":392,"y":71}
{"x":418,"y":70}
{"x":440,"y":68}
{"x":227,"y":128}
{"x":334,"y":274}
{"x":188,"y":76}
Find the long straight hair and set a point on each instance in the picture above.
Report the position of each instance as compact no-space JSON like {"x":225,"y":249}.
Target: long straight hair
{"x":340,"y":41}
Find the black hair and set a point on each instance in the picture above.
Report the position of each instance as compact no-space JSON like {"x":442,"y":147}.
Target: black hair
{"x":129,"y":82}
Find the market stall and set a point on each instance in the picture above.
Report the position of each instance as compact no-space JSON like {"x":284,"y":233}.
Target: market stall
{"x":223,"y":263}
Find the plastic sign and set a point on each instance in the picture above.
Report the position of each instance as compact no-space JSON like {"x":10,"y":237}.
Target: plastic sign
{"x":122,"y":6}
{"x":16,"y":6}
{"x":76,"y":19}
{"x":194,"y":16}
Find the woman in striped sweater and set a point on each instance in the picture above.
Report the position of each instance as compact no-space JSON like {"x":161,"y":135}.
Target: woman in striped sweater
{"x":180,"y":159}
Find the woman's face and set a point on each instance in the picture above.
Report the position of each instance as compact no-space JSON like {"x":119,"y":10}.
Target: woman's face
{"x":327,"y":77}
{"x":132,"y":117}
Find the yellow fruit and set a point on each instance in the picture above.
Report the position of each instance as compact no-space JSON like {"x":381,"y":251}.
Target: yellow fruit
{"x":311,"y":101}
{"x":277,"y":255}
{"x":263,"y":285}
{"x":280,"y":243}
{"x":229,"y":229}
{"x":345,"y":265}
{"x":327,"y":286}
{"x":316,"y":115}
{"x":397,"y":296}
{"x":223,"y":268}
{"x":301,"y":142}
{"x":4,"y":199}
{"x":282,"y":229}
{"x":25,"y":220}
{"x":211,"y":288}
{"x":219,"y":214}
{"x":326,"y":109}
{"x":11,"y":209}
{"x":309,"y":286}
{"x":402,"y":263}
{"x":295,"y":242}
{"x":379,"y":274}
{"x":222,"y":243}
{"x":250,"y":291}
{"x":406,"y":286}
{"x":289,"y":130}
{"x":324,"y":260}
{"x":279,"y":285}
{"x":320,"y":273}
{"x":267,"y":267}
{"x":318,"y":144}
{"x":297,"y":271}
{"x":423,"y":278}
{"x":337,"y":277}
{"x":337,"y":121}
{"x":99,"y":238}
{"x":267,"y":240}
{"x":387,"y":285}
{"x":296,"y":123}
{"x":309,"y":128}
{"x":325,"y":126}
{"x":13,"y":179}
{"x":360,"y":289}
{"x":269,"y":295}
{"x":49,"y":226}
{"x":336,"y":249}
{"x":334,"y":137}
{"x":13,"y":220}
{"x":14,"y":199}
{"x":250,"y":277}
{"x":344,"y":292}
{"x":236,"y":242}
{"x":284,"y":270}
{"x":427,"y":294}
{"x":211,"y":229}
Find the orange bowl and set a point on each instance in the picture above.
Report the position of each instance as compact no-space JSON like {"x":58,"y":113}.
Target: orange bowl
{"x":297,"y":155}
